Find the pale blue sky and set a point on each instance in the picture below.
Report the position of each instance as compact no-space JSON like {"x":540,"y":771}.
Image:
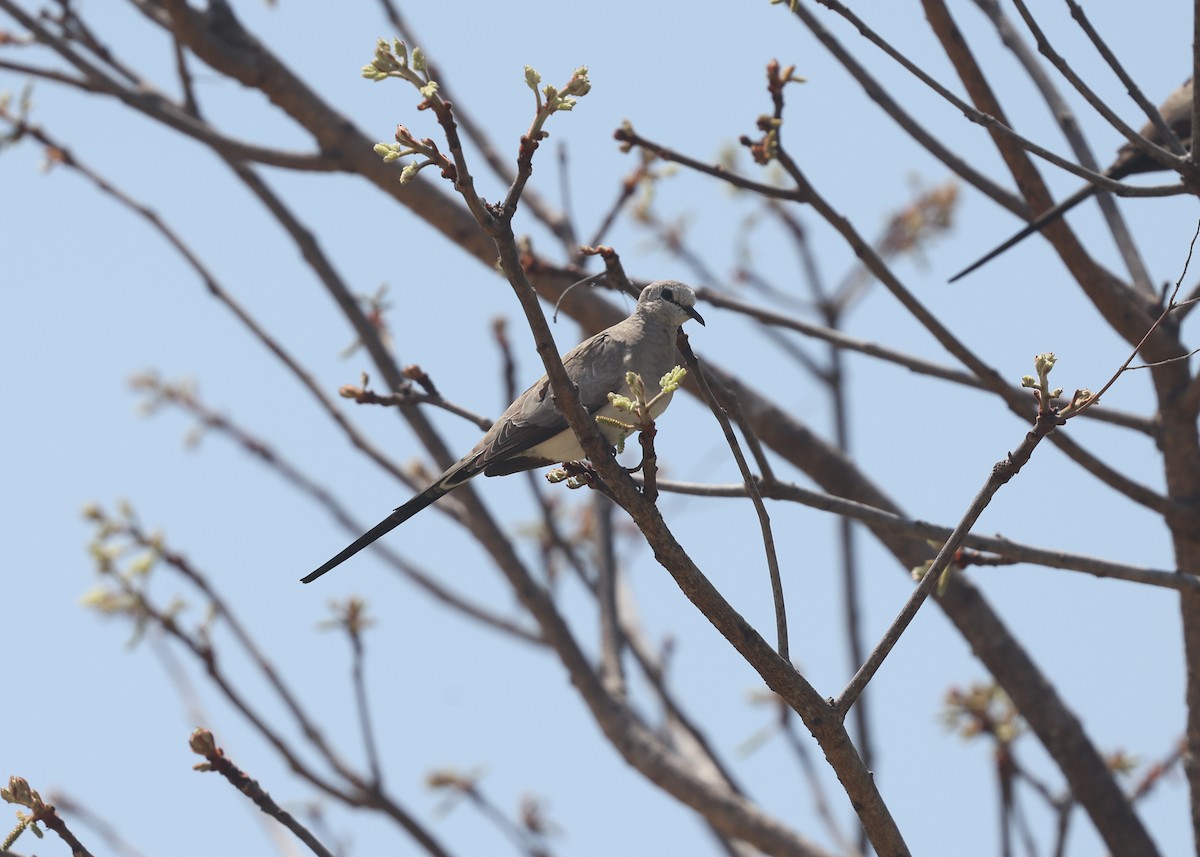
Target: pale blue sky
{"x":91,"y":296}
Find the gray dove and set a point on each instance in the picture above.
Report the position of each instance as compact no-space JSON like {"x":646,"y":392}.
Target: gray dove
{"x":533,"y":433}
{"x":1176,"y":111}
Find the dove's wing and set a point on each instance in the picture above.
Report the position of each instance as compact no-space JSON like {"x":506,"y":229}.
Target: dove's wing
{"x":530,"y":431}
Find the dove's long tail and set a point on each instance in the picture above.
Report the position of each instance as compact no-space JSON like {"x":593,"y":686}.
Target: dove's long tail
{"x":398,"y":517}
{"x":463,"y":471}
{"x":1035,"y":225}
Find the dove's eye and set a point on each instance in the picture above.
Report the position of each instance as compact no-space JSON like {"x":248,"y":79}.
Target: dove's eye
{"x":668,"y":295}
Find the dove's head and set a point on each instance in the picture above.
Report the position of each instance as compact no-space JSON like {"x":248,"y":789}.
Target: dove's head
{"x":668,"y":301}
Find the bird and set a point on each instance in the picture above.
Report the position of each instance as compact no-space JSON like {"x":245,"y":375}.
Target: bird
{"x":533,"y":433}
{"x":1176,"y":111}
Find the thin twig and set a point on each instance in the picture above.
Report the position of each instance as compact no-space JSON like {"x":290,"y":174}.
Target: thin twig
{"x":1156,"y":772}
{"x":629,"y":186}
{"x":832,"y":308}
{"x":612,"y":636}
{"x":190,"y":104}
{"x":202,"y":744}
{"x":1167,"y":310}
{"x":850,"y":570}
{"x":764,"y":519}
{"x":357,"y":673}
{"x":1001,"y":473}
{"x":1170,"y":156}
{"x":557,"y":222}
{"x":74,"y":28}
{"x":113,"y":838}
{"x":408,"y":395}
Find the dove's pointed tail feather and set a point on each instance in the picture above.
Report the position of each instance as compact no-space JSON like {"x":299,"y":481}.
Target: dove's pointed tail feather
{"x":398,"y":517}
{"x":1045,"y":218}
